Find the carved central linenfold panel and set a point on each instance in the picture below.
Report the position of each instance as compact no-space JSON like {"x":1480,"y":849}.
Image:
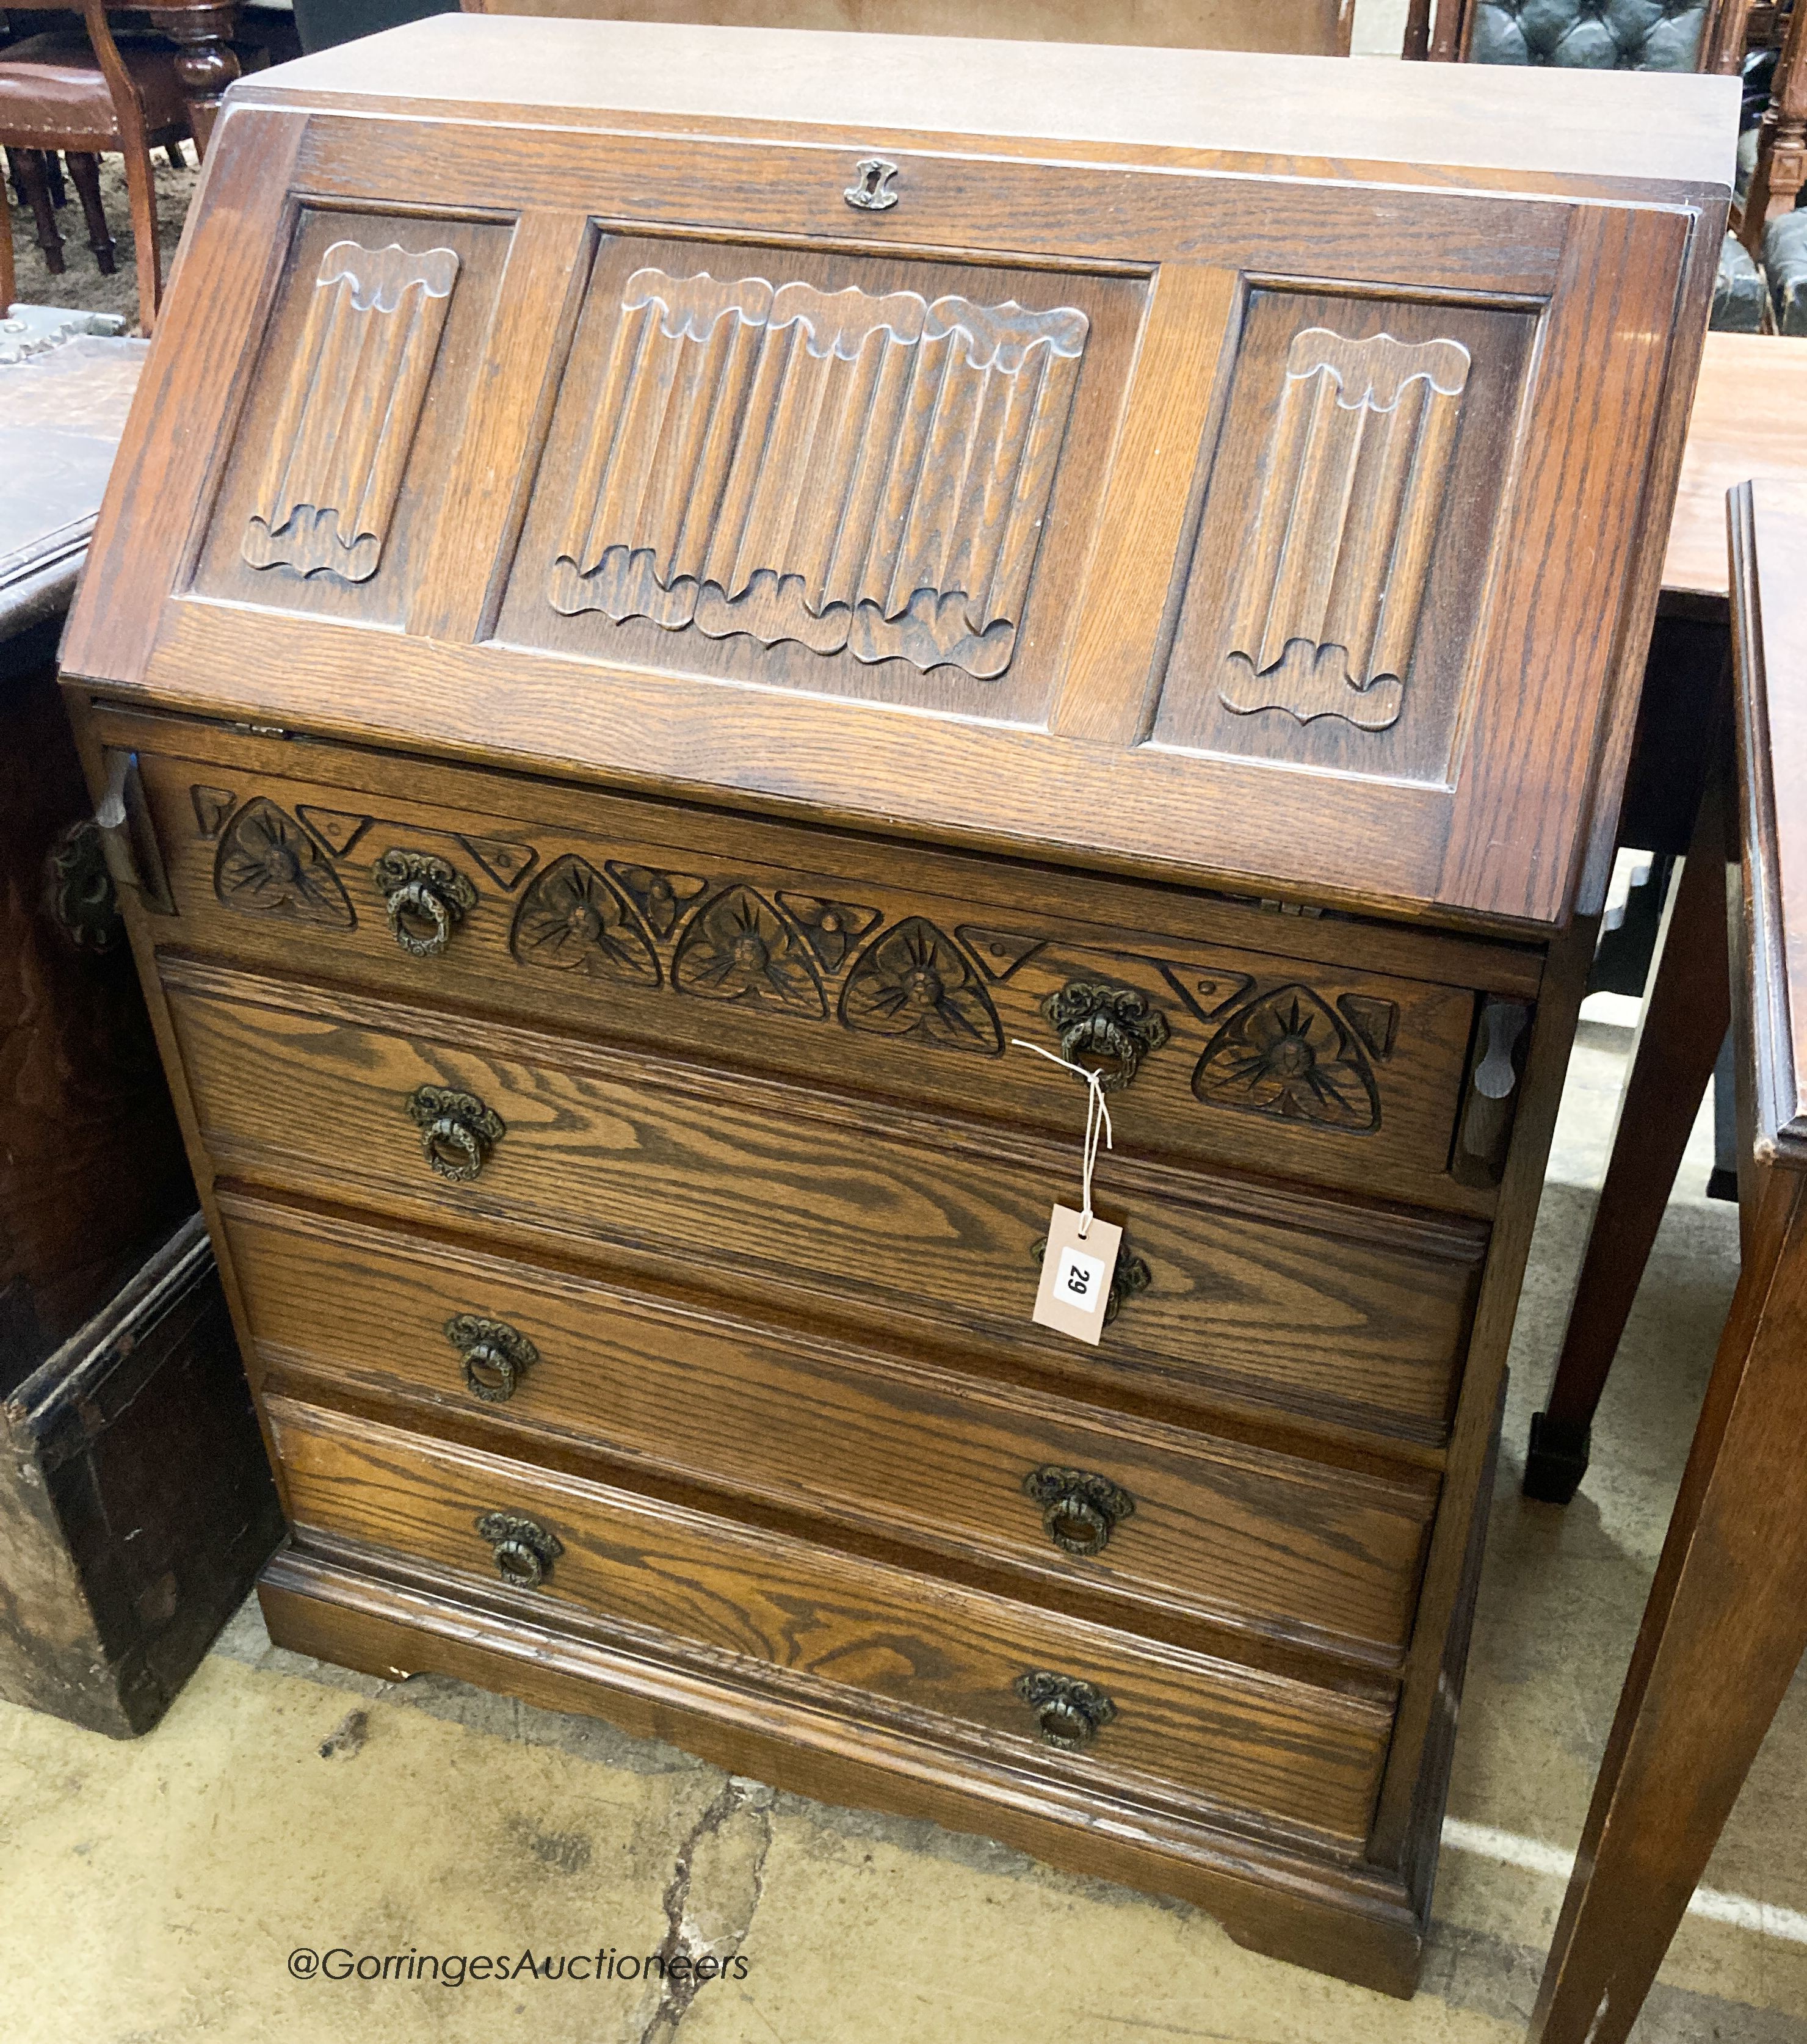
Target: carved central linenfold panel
{"x":341,"y":441}
{"x":841,"y":470}
{"x":1326,"y":612}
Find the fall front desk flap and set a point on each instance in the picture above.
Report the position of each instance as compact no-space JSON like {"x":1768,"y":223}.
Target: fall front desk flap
{"x":1248,"y":469}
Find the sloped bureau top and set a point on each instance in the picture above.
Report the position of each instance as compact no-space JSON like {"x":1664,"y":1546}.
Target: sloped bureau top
{"x":1214,"y":466}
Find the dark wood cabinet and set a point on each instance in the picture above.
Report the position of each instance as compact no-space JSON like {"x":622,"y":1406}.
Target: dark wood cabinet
{"x":703,"y":586}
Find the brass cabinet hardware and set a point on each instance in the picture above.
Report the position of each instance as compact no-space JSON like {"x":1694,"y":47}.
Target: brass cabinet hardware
{"x":495,"y":1355}
{"x":1108,"y":1029}
{"x":457,"y":1131}
{"x":77,"y":889}
{"x":1079,"y":1510}
{"x":1130,"y":1275}
{"x":524,"y":1550}
{"x":426,"y":898}
{"x":875,"y":192}
{"x":1069,"y":1712}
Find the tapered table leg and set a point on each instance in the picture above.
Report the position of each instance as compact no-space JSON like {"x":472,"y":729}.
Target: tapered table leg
{"x":1685,"y":1020}
{"x":1725,"y":1625}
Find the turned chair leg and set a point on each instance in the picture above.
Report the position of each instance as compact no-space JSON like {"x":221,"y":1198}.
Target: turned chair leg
{"x":30,"y":175}
{"x":53,"y":177}
{"x":84,"y":174}
{"x":142,"y":187}
{"x":8,"y":279}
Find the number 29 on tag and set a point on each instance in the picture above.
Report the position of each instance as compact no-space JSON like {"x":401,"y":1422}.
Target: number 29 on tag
{"x":1076,"y":1271}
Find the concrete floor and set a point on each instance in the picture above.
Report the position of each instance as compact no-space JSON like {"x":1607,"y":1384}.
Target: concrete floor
{"x":154,"y":1891}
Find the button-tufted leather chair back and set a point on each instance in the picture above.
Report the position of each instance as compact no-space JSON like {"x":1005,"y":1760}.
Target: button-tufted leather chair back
{"x":1594,"y":35}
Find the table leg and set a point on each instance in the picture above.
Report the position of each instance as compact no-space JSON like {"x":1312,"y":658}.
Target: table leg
{"x":204,"y":61}
{"x":1685,"y":1020}
{"x":1725,"y":1627}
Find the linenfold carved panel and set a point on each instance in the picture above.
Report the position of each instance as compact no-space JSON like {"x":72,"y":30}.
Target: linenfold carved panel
{"x":838,"y":469}
{"x":341,"y":439}
{"x":1327,"y":609}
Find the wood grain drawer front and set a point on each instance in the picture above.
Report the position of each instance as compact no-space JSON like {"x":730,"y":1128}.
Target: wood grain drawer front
{"x":1328,"y":1074}
{"x":1249,"y":1295}
{"x":860,"y":1629}
{"x":1261,"y":1542}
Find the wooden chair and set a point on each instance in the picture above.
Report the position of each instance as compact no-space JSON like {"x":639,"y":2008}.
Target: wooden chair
{"x":1781,"y":141}
{"x":82,"y":94}
{"x":1708,"y":36}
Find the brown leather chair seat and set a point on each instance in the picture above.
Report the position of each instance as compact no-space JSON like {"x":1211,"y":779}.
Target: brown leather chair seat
{"x":52,"y":87}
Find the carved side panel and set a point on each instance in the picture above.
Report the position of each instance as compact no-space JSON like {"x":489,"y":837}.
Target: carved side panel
{"x":1327,"y":612}
{"x":839,"y":470}
{"x":341,"y":439}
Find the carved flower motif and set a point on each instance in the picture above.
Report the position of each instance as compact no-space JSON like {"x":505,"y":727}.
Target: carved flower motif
{"x":1287,"y":1054}
{"x":739,"y":947}
{"x":270,"y":866}
{"x":570,"y":919}
{"x":915,"y":981}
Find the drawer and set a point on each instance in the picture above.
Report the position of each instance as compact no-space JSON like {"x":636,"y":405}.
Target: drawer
{"x":1262,"y":1542}
{"x":788,"y":1197}
{"x":867,"y":1639}
{"x":1333,"y":1074}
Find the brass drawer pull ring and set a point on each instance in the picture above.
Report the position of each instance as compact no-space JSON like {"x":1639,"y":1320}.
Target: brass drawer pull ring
{"x":1069,"y":1713}
{"x":457,"y":1131}
{"x":426,"y":899}
{"x":1106,"y":1029}
{"x":525,"y":1551}
{"x":1079,"y":1510}
{"x":495,"y":1355}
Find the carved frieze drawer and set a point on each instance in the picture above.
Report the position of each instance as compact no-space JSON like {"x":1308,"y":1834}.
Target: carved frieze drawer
{"x":881,"y":979}
{"x":1163,"y":1523}
{"x":824,"y":1208}
{"x":874,"y":1644}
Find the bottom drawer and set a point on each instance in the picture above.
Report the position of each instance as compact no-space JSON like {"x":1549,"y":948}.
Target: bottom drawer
{"x":869,"y":1634}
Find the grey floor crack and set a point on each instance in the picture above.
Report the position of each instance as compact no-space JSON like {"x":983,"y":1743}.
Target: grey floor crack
{"x":717,"y":1880}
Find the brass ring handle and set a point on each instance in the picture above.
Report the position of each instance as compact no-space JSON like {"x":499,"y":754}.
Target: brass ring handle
{"x":1130,"y":1275}
{"x":525,"y":1551}
{"x":1079,"y":1510}
{"x":495,"y":1354}
{"x":1069,"y":1713}
{"x":457,"y":1131}
{"x":426,"y":899}
{"x":1106,"y":1029}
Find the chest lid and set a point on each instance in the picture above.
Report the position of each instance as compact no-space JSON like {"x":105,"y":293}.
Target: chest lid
{"x":1248,"y":469}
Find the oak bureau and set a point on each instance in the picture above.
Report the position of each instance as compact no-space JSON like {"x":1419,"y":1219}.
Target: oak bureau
{"x":672,"y":593}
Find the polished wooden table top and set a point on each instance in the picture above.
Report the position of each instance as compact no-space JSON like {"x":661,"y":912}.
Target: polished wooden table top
{"x":1750,"y":420}
{"x":1769,"y":531}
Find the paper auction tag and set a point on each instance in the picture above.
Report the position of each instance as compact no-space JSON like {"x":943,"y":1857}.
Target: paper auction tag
{"x":1076,"y":1271}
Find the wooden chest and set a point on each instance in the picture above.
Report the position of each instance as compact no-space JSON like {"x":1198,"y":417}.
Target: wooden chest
{"x":672,"y":595}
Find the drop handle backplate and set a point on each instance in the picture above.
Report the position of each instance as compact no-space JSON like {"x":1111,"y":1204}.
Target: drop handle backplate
{"x":1107,"y":1029}
{"x":1130,"y":1276}
{"x":524,"y":1550}
{"x":457,"y":1131}
{"x":1069,"y":1713}
{"x":426,"y":898}
{"x":1080,"y":1509}
{"x":495,"y":1354}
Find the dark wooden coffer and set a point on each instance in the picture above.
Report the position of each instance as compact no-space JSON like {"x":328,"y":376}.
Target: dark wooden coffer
{"x":136,"y":1504}
{"x":664,"y":608}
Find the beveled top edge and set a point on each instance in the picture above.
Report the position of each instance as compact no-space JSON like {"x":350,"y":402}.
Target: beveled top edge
{"x":1628,"y":126}
{"x":1768,"y":531}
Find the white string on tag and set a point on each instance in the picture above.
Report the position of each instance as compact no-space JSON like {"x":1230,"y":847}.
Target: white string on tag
{"x":1098,"y":1123}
